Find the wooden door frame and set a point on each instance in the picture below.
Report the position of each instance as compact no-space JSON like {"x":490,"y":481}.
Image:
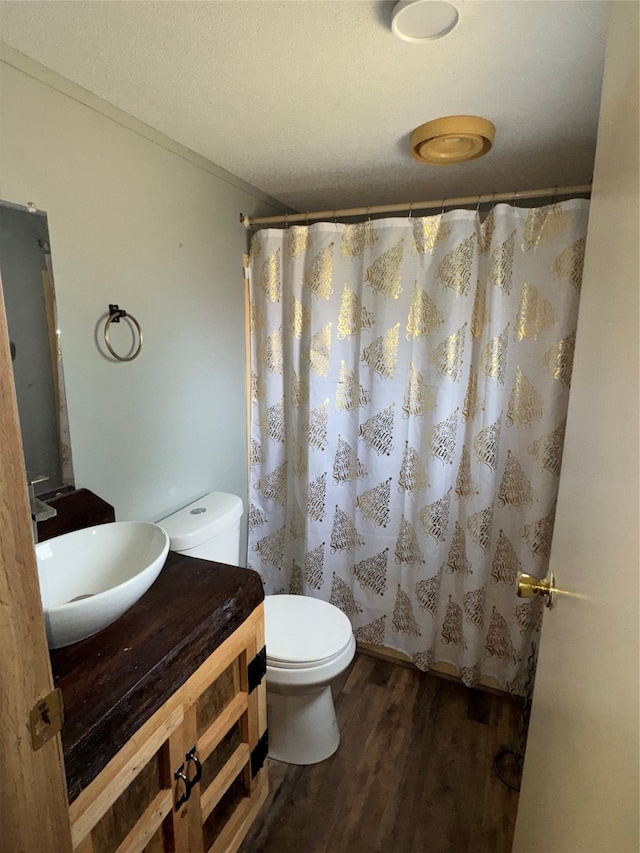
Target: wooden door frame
{"x":34,"y":813}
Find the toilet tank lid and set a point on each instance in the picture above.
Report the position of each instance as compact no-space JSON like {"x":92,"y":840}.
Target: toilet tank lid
{"x":201,"y":520}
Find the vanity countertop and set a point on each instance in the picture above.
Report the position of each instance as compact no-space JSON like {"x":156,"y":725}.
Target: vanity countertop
{"x":114,"y":681}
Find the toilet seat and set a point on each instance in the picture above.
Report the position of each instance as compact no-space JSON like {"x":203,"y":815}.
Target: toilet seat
{"x":303,"y":632}
{"x":287,"y":664}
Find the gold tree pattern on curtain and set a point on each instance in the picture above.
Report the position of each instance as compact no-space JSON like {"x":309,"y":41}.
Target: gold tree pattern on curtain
{"x":410,"y":380}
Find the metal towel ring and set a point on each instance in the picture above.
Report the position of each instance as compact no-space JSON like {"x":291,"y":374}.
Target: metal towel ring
{"x":115,"y":313}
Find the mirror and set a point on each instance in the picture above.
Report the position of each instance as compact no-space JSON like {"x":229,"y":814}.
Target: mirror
{"x":27,"y":282}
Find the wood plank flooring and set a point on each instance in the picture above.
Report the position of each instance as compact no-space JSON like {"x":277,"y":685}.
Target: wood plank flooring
{"x":413,"y":773}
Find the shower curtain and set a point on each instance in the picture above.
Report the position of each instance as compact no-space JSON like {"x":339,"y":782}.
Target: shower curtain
{"x":409,"y":387}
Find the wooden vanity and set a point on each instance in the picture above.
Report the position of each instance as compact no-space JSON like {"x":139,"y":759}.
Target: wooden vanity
{"x":164,"y":737}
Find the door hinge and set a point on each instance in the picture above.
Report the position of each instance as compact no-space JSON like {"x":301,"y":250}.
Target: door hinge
{"x":257,"y":669}
{"x":46,"y":718}
{"x":259,"y":753}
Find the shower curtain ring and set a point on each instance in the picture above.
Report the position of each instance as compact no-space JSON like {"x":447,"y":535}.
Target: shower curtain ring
{"x":410,"y":209}
{"x":444,"y":202}
{"x":478,"y":204}
{"x":368,"y":214}
{"x":515,"y":198}
{"x":286,"y":221}
{"x":554,"y":199}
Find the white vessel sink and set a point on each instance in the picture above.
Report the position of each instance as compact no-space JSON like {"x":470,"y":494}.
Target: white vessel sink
{"x":90,"y":577}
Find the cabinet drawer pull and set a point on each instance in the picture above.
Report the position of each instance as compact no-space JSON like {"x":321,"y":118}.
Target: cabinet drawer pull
{"x":191,"y":756}
{"x":180,"y":774}
{"x":188,"y":783}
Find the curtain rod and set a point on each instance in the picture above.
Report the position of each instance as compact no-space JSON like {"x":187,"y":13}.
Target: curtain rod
{"x":291,"y":218}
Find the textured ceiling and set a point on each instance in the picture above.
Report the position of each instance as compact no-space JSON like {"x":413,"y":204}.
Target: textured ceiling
{"x":313,"y":101}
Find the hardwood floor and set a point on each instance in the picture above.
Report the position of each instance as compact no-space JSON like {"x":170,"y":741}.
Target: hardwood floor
{"x":413,"y":773}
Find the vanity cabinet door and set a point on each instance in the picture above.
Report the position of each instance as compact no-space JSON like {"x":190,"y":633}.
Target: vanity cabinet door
{"x":230,"y":716}
{"x":191,"y":779}
{"x":130,"y":806}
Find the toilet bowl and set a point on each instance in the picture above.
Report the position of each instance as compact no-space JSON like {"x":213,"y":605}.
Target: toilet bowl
{"x":309,"y":642}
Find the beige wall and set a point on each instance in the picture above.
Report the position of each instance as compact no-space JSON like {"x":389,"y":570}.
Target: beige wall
{"x":134,"y":223}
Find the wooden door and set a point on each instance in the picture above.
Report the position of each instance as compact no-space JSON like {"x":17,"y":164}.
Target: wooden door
{"x":580,"y":785}
{"x":33,"y":798}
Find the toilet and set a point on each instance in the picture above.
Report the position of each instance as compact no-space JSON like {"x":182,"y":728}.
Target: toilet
{"x":309,"y":642}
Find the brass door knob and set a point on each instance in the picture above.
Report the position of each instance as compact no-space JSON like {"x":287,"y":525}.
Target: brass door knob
{"x":527,"y":585}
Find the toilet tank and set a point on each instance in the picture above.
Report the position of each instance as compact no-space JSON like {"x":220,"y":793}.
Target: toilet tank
{"x":208,"y":528}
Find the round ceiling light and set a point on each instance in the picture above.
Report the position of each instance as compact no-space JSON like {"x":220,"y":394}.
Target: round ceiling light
{"x":454,"y":139}
{"x":423,"y":20}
